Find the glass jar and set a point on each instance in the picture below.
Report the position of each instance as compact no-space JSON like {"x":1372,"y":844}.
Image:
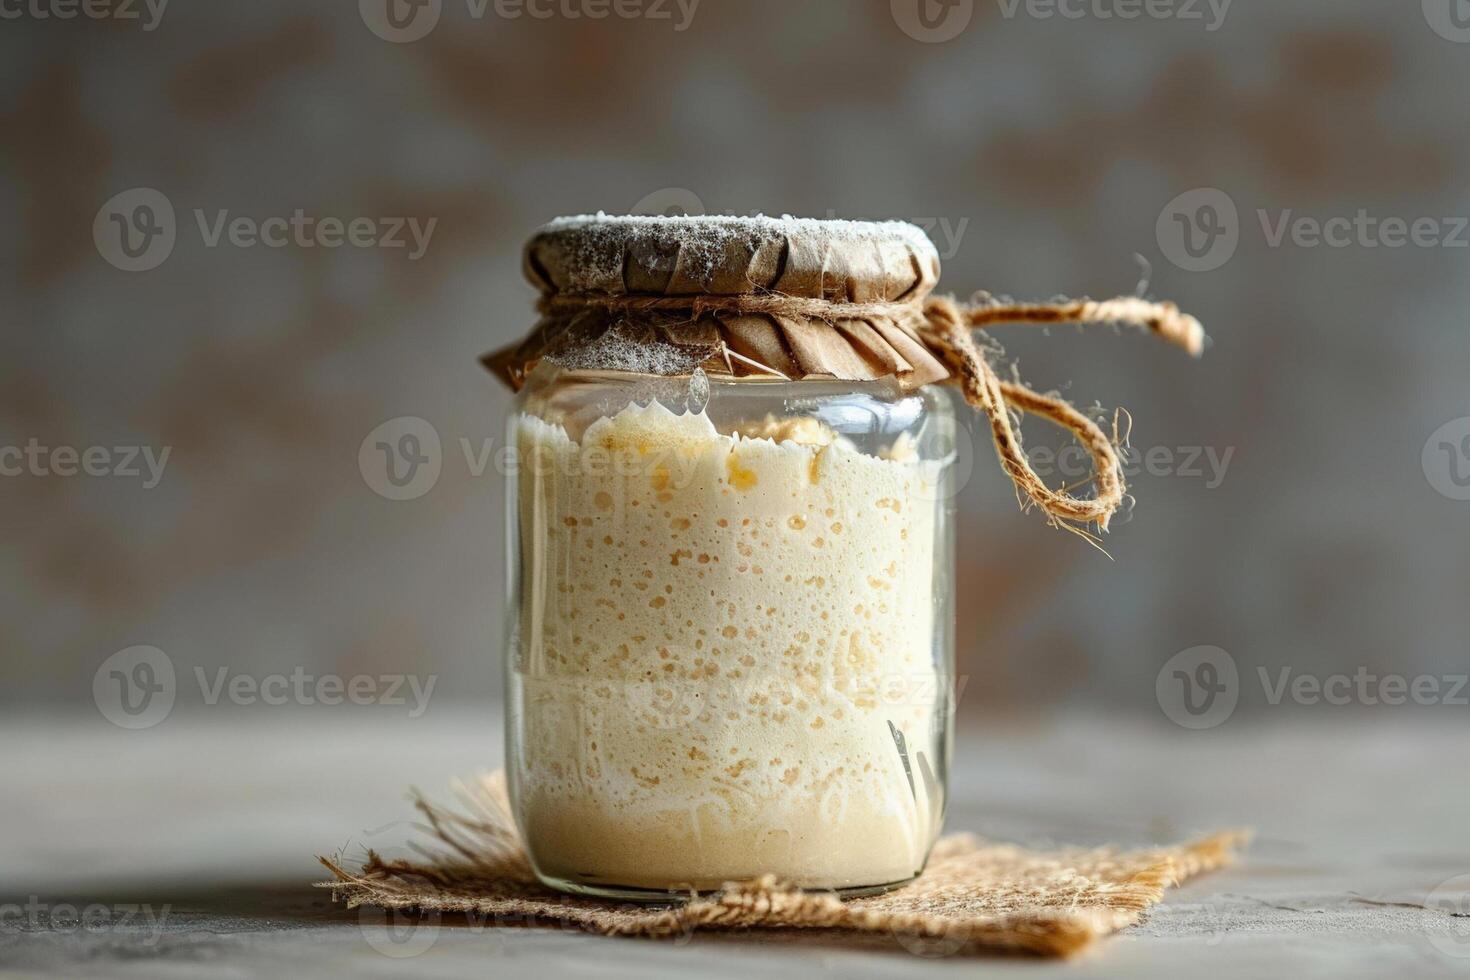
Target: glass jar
{"x":730,"y":628}
{"x":730,"y":619}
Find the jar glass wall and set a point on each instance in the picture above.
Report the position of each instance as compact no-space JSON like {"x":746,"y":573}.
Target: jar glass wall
{"x":730,"y":630}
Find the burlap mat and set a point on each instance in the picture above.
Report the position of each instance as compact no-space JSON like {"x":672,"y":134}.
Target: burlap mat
{"x":975,"y":896}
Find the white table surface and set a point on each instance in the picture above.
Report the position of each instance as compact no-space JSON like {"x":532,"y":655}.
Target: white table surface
{"x":211,"y":823}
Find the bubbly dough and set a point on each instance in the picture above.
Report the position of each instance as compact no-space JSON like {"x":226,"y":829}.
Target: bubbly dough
{"x":722,"y":643}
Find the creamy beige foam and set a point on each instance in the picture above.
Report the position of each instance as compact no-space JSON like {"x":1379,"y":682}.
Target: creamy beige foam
{"x":718,"y":640}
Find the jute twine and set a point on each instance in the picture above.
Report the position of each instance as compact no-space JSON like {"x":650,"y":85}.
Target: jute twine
{"x":975,"y":896}
{"x":947,"y":329}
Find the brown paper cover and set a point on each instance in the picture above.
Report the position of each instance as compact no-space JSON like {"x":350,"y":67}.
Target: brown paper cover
{"x":888,"y":265}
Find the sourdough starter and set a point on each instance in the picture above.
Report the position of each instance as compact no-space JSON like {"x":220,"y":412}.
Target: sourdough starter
{"x":726,"y":650}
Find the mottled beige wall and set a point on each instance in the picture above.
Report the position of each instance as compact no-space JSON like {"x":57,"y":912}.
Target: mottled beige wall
{"x":1042,"y":150}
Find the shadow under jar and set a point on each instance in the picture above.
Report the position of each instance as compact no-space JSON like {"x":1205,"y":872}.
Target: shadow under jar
{"x":730,"y":629}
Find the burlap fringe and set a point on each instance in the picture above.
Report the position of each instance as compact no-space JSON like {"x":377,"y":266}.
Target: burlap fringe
{"x":974,"y":896}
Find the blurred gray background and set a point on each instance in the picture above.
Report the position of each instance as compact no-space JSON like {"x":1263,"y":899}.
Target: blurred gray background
{"x":1043,"y":150}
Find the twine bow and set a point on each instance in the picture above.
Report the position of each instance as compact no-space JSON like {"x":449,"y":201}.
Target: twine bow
{"x":946,"y":328}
